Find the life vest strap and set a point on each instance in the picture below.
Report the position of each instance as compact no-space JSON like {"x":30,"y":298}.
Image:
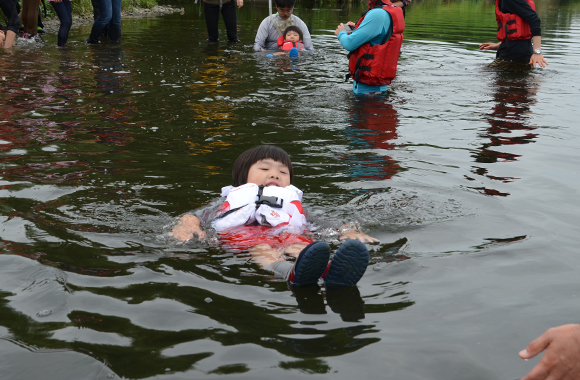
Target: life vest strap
{"x":229,"y":212}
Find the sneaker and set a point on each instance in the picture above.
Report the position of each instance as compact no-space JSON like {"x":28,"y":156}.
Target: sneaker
{"x":28,"y":36}
{"x":39,"y":30}
{"x":293,"y":52}
{"x":348,"y":265}
{"x":310,"y":264}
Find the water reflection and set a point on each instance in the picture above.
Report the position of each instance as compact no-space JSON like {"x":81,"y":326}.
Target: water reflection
{"x":101,"y":146}
{"x":514,"y":94}
{"x":373,"y":127}
{"x":116,"y":106}
{"x":213,"y":107}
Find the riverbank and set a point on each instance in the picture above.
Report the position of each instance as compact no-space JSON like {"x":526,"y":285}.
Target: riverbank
{"x":52,"y":25}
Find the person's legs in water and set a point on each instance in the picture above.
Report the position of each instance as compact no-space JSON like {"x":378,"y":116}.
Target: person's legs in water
{"x":30,"y":16}
{"x":105,"y":15}
{"x":231,"y":20}
{"x":10,"y":11}
{"x":96,"y":12}
{"x":211,"y":13}
{"x":63,"y":10}
{"x":114,"y":32}
{"x":40,"y":25}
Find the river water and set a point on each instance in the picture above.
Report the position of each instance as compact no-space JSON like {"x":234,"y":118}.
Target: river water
{"x":468,"y":176}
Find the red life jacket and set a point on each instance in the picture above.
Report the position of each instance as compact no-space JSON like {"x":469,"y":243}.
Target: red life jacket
{"x":287,"y":45}
{"x":377,"y":65}
{"x":511,"y":26}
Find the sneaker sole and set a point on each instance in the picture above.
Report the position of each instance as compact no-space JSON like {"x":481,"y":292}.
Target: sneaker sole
{"x":348,"y":264}
{"x":311,"y":264}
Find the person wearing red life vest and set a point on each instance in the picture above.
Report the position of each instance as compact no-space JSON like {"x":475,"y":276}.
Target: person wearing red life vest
{"x":374,"y":45}
{"x":262,"y":213}
{"x":518,"y":23}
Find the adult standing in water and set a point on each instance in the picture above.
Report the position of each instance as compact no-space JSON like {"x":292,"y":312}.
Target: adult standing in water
{"x":517,"y":23}
{"x":110,"y":14}
{"x":374,"y":45}
{"x":211,"y":11}
{"x":273,"y":26}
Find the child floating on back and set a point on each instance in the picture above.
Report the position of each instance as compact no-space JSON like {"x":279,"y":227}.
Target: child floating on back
{"x":262,"y":213}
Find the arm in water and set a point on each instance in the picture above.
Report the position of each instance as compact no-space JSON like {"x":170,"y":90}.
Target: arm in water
{"x":561,"y":361}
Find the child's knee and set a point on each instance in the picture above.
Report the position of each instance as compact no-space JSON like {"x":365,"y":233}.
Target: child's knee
{"x":294,"y":249}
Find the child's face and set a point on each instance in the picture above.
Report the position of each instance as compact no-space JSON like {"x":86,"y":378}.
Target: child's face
{"x":292,"y":36}
{"x":285,"y":13}
{"x":268,"y":172}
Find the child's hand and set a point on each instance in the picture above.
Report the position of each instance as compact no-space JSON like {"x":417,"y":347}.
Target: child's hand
{"x":360,"y":236}
{"x":187,"y":227}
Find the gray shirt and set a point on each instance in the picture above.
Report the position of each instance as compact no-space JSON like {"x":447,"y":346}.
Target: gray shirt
{"x":268,"y":33}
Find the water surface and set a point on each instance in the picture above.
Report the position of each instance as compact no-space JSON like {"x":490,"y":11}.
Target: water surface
{"x":467,"y":176}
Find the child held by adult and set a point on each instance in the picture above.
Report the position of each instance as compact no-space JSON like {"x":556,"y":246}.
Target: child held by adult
{"x":63,"y":10}
{"x":262,"y":213}
{"x":272,"y":27}
{"x":291,"y":41}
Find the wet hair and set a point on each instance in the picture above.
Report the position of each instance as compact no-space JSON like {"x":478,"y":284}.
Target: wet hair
{"x":294,"y":28}
{"x":251,"y":156}
{"x":285,"y":3}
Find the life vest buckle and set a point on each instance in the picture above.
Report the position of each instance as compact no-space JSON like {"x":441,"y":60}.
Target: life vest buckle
{"x":268,"y":200}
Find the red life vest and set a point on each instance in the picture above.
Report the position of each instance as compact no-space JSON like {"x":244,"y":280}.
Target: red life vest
{"x":511,"y":26}
{"x":377,"y":65}
{"x":287,"y":45}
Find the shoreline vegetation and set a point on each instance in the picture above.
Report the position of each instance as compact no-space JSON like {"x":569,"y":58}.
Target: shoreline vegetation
{"x":83,"y":14}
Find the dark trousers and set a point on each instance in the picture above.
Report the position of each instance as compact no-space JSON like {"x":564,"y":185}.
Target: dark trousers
{"x":63,"y":10}
{"x":109,"y":14}
{"x":11,"y":13}
{"x":212,"y":15}
{"x":96,"y":12}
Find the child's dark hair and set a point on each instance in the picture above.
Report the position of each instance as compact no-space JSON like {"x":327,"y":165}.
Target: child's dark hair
{"x":251,"y":156}
{"x":285,"y":3}
{"x":294,"y":28}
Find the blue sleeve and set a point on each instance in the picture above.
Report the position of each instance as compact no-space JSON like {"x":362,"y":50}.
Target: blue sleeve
{"x":372,"y":29}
